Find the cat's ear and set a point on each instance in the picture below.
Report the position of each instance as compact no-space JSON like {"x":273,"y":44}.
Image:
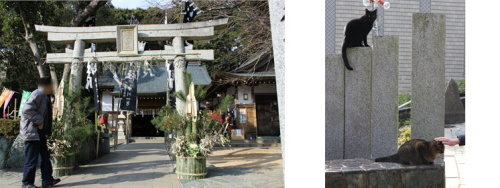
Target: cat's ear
{"x":366,"y":11}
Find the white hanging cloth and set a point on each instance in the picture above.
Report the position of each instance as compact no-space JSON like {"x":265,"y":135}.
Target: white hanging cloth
{"x":148,"y":69}
{"x":91,"y":69}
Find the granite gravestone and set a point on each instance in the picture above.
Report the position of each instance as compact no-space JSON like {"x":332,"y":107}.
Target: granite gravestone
{"x":384,"y":117}
{"x":334,"y":108}
{"x":454,"y":108}
{"x":358,"y":96}
{"x":428,"y":52}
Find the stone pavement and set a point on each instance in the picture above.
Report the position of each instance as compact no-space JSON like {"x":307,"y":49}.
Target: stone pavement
{"x":454,"y":157}
{"x":242,"y":167}
{"x":132,"y":165}
{"x":143,"y":164}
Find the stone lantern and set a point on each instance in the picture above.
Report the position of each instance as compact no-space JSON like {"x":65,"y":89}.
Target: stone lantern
{"x":121,"y":118}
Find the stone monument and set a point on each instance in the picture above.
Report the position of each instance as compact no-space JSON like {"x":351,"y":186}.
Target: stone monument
{"x":454,"y":108}
{"x":362,"y":116}
{"x":427,"y":77}
{"x":361,"y":105}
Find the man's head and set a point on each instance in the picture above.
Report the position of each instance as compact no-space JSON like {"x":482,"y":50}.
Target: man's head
{"x":46,"y":84}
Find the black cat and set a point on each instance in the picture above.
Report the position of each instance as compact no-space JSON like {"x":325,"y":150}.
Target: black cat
{"x":356,"y":32}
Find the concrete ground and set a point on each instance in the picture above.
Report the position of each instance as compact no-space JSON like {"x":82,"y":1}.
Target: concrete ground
{"x":454,"y":157}
{"x":146,"y":164}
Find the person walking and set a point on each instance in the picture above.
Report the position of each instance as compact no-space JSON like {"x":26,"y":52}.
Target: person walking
{"x":36,"y":125}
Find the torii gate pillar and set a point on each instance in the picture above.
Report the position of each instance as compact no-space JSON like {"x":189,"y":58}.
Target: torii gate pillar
{"x":76,"y":67}
{"x":180,"y":67}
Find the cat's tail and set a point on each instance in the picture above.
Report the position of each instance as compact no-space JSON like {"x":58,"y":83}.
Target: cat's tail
{"x":344,"y":56}
{"x":393,"y":158}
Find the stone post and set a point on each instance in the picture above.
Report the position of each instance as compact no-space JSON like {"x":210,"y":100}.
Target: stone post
{"x":358,"y":87}
{"x":385,"y":63}
{"x":76,"y":66}
{"x":277,"y":18}
{"x":428,"y":83}
{"x":334,"y":107}
{"x":179,"y":68}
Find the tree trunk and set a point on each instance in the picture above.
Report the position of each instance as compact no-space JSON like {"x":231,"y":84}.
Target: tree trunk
{"x":29,"y":29}
{"x":53,"y":74}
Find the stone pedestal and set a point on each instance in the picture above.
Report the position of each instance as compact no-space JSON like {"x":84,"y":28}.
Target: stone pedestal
{"x":357,"y":99}
{"x":385,"y":69}
{"x":428,"y":49}
{"x":366,"y":173}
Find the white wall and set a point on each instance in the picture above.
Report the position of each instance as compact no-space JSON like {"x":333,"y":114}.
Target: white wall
{"x":107,"y":101}
{"x":115,"y":107}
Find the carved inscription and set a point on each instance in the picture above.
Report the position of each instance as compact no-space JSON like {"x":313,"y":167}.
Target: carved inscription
{"x":126,"y":42}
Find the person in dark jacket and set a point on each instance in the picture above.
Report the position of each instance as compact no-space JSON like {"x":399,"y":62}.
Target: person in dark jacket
{"x":36,"y":125}
{"x":460,"y":140}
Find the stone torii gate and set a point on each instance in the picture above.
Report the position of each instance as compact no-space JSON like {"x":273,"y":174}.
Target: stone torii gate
{"x":127,"y":39}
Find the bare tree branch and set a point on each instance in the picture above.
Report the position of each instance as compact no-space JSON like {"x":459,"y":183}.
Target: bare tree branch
{"x":90,"y":9}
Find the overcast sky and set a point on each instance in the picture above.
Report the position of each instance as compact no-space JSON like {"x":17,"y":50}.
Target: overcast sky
{"x":130,"y":4}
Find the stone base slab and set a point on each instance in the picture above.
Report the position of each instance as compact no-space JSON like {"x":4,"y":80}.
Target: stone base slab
{"x":367,"y":173}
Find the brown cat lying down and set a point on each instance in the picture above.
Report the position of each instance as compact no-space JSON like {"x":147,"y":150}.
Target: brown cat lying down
{"x":416,"y":152}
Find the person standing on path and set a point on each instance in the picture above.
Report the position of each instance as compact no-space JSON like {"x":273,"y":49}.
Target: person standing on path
{"x":36,"y":125}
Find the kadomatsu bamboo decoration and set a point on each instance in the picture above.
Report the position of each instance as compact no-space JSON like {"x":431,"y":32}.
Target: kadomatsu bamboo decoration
{"x":195,"y":132}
